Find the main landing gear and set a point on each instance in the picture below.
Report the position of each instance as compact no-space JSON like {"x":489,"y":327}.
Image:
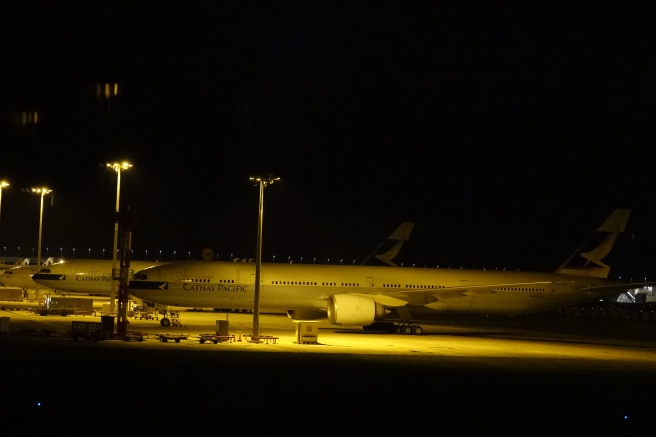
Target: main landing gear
{"x":395,"y":328}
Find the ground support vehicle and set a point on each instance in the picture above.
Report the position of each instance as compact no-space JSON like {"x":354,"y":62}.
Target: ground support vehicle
{"x":133,"y":335}
{"x":65,"y":306}
{"x":146,"y":313}
{"x":175,"y":337}
{"x":214,"y":338}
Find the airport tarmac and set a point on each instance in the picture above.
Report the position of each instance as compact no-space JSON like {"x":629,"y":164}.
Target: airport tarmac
{"x":539,"y":375}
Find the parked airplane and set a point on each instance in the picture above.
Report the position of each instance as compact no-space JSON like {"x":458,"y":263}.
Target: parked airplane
{"x":4,"y":265}
{"x":85,"y":276}
{"x":92,"y":276}
{"x":374,"y":297}
{"x":21,"y":275}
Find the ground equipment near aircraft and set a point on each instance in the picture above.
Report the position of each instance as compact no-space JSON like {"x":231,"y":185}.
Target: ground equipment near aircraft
{"x":64,"y":306}
{"x":169,"y":336}
{"x":145,"y":312}
{"x":87,"y":331}
{"x":133,"y":335}
{"x":11,"y":294}
{"x":215,"y":338}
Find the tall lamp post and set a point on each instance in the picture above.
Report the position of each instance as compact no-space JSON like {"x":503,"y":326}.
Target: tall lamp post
{"x":3,"y":184}
{"x":263,"y":182}
{"x":117,"y":167}
{"x":42,"y":192}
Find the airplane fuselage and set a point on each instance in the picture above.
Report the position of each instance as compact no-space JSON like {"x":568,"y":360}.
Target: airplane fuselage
{"x":308,"y":287}
{"x":83,"y":276}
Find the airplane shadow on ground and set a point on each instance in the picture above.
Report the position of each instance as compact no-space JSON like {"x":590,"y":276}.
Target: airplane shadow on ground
{"x":430,"y":334}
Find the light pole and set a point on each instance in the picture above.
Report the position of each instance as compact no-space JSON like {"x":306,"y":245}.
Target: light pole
{"x":42,"y":192}
{"x":117,"y":167}
{"x":2,"y":185}
{"x":263,"y":182}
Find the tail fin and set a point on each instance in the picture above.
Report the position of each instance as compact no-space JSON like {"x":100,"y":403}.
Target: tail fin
{"x":25,"y":262}
{"x":49,"y":261}
{"x":613,"y":225}
{"x":394,"y":241}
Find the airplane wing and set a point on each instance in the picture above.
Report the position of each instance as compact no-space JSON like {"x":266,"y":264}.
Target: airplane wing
{"x":617,"y":288}
{"x":424,"y":296}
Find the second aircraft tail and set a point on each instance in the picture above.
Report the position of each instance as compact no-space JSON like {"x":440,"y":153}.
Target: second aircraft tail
{"x":591,"y":265}
{"x":393,"y":242}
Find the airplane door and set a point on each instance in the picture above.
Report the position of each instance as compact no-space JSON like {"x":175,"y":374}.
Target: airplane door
{"x":371,"y":282}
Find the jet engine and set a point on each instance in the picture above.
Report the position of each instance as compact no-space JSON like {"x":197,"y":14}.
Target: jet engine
{"x":350,"y":309}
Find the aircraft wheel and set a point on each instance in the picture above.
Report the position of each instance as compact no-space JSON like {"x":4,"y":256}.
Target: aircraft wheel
{"x":417,"y":330}
{"x":407,"y":329}
{"x":177,"y":340}
{"x":165,"y":322}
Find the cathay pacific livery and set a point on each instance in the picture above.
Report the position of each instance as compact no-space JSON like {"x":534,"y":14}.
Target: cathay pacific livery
{"x":383,"y":297}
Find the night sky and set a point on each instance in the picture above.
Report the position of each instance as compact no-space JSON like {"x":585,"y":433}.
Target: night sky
{"x":506,"y":130}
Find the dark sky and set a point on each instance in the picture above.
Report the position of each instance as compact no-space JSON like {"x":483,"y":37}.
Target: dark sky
{"x":505,"y":130}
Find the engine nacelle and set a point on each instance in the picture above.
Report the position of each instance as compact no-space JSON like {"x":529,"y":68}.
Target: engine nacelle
{"x":306,"y":314}
{"x":349,"y":309}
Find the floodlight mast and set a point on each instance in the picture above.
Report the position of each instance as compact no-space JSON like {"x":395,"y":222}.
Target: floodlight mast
{"x":3,"y":184}
{"x":42,"y":192}
{"x":117,"y":167}
{"x":263,"y":182}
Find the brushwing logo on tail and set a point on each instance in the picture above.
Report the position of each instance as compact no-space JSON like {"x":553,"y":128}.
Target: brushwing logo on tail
{"x":608,"y":231}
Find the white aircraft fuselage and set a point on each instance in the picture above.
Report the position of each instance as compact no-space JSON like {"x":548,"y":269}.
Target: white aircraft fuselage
{"x":363,"y":295}
{"x":86,"y":276}
{"x":302,"y":288}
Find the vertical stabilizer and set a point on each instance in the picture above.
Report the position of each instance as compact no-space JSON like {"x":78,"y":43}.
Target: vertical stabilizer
{"x":608,"y":230}
{"x":392,"y":244}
